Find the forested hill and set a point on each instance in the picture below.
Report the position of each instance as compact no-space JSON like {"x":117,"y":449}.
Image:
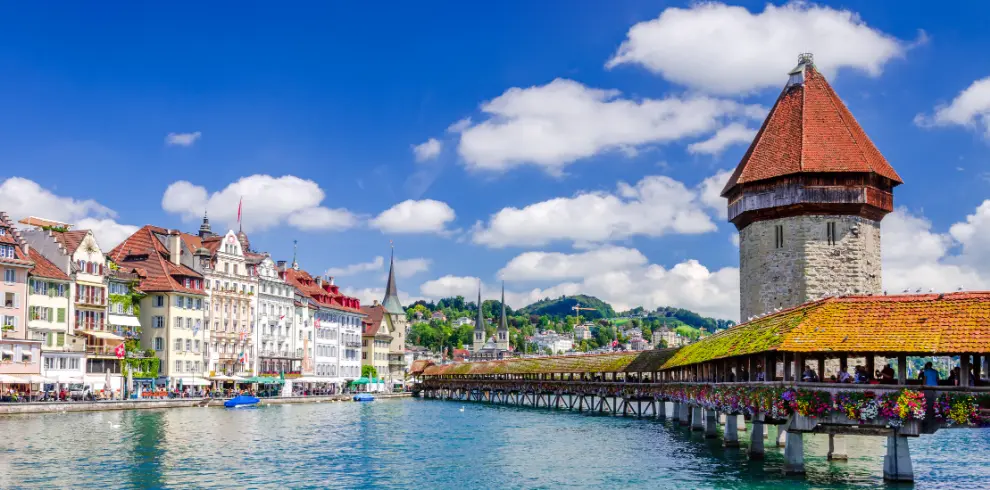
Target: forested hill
{"x":564,"y":306}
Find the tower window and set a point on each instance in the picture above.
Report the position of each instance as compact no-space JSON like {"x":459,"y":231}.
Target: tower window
{"x":830,"y":233}
{"x":778,"y":236}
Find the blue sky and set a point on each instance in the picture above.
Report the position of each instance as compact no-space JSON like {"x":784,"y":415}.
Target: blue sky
{"x":575,"y":171}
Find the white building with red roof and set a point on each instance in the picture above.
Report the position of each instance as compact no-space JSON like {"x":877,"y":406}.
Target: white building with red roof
{"x":18,"y":354}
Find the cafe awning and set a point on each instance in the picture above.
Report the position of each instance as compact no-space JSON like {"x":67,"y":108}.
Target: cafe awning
{"x":33,"y":379}
{"x":124,"y":320}
{"x":192,"y":381}
{"x":102,"y":335}
{"x":263,"y":380}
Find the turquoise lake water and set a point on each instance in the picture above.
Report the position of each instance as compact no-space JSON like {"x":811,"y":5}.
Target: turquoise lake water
{"x":432,"y":444}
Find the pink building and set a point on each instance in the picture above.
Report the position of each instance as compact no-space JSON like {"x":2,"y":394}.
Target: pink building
{"x":17,"y":354}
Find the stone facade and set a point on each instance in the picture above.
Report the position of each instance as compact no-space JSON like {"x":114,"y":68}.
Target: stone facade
{"x":806,"y":266}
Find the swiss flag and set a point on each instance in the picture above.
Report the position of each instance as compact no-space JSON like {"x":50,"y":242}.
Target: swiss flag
{"x":615,"y":343}
{"x":119,"y":351}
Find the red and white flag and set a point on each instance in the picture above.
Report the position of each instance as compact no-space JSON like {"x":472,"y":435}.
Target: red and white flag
{"x":119,"y":351}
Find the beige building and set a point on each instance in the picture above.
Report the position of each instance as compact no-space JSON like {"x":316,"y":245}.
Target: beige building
{"x":387,"y":322}
{"x":172,"y":312}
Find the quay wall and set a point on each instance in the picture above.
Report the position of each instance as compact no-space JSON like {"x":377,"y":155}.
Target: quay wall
{"x":56,"y":407}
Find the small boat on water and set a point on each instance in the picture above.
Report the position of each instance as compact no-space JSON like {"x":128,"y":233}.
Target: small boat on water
{"x":364,"y":397}
{"x":241,"y":401}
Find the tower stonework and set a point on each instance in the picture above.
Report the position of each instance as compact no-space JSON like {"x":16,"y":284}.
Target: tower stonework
{"x":807,"y":199}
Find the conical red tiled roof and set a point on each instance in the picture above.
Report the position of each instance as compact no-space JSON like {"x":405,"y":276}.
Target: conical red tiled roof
{"x":809,"y":130}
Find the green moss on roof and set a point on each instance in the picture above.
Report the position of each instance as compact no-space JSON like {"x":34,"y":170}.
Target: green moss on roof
{"x":764,"y":334}
{"x":631,"y":362}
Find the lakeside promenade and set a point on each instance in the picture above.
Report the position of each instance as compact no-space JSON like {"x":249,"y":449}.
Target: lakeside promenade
{"x":152,"y":404}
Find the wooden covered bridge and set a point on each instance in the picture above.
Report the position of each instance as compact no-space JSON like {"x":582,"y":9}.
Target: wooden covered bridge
{"x":783,"y":369}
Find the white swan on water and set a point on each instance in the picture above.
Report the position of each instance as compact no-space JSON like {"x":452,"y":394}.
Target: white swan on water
{"x":462,"y":409}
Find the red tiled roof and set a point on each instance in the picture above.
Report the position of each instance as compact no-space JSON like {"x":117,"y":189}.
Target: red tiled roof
{"x":919,"y":324}
{"x":45,"y":268}
{"x":302,"y":281}
{"x":809,"y":130}
{"x":20,"y":258}
{"x":145,"y":250}
{"x":70,"y":239}
{"x":420,"y":365}
{"x":373,"y":322}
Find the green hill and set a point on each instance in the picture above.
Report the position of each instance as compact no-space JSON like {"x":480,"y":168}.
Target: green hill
{"x":564,"y":306}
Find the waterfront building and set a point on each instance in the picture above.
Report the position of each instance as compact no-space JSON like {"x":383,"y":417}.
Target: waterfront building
{"x":63,"y":354}
{"x":376,"y":339}
{"x":171,"y":312}
{"x":230,"y":284}
{"x":18,"y":354}
{"x":279,"y":339}
{"x":808,"y":195}
{"x":336,"y":323}
{"x":77,"y":254}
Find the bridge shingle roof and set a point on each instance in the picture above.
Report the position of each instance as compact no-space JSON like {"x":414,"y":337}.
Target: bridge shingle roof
{"x":630,"y":362}
{"x":918,"y":324}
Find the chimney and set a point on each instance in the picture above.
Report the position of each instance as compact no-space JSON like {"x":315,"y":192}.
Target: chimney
{"x":281,"y":265}
{"x":330,"y":280}
{"x":319,"y":281}
{"x":174,"y":247}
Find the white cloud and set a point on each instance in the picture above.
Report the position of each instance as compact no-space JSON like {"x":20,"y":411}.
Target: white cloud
{"x":320,"y":218}
{"x":711,"y":190}
{"x":656,"y":205}
{"x":687,"y":285}
{"x":554,"y":125}
{"x":916,"y":257}
{"x":539,"y":266}
{"x":108,"y":232}
{"x":971,"y":108}
{"x":267,"y":201}
{"x":459,"y":126}
{"x":20,"y":198}
{"x":732,"y":134}
{"x":427,"y":150}
{"x":727,"y":50}
{"x":376,"y":264}
{"x":403,"y":267}
{"x":424,"y":216}
{"x":368,"y":296}
{"x":182,"y":139}
{"x":734,"y":239}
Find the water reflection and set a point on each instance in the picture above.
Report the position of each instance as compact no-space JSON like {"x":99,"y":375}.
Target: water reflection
{"x":432,"y":444}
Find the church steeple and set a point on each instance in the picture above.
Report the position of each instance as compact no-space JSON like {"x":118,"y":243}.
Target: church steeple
{"x":391,"y":301}
{"x":502,"y":334}
{"x":479,"y":325}
{"x":204,"y":229}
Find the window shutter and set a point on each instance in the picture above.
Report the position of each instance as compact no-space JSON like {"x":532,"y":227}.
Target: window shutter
{"x":17,"y":300}
{"x":61,"y":315}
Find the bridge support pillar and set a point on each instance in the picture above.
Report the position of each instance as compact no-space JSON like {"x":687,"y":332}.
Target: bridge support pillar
{"x":697,"y":419}
{"x":685,"y":414}
{"x":661,"y":409}
{"x":742,"y":422}
{"x":675,"y":412}
{"x":731,"y":437}
{"x":711,"y":424}
{"x":794,"y":454}
{"x":897,"y":462}
{"x":756,"y":450}
{"x":781,"y":436}
{"x":837,"y":448}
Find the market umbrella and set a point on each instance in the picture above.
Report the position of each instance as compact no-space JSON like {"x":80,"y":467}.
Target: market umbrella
{"x":106,"y":380}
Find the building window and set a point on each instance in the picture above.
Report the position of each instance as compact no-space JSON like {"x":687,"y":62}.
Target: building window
{"x":178,"y":366}
{"x":778,"y":236}
{"x":830,"y":234}
{"x":159,"y":344}
{"x":159,"y":301}
{"x":9,"y":275}
{"x":6,"y":251}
